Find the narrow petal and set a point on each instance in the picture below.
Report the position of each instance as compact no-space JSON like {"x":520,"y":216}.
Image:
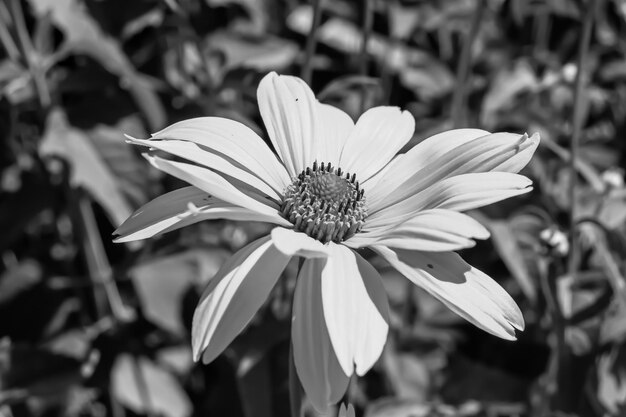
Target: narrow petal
{"x":319,"y":371}
{"x":196,"y":153}
{"x":335,"y":127}
{"x":355,"y":309}
{"x":434,"y":230}
{"x":289,"y":110}
{"x":378,"y":135}
{"x":215,"y":185}
{"x":426,"y":164}
{"x":234,"y":141}
{"x":292,"y":243}
{"x":180,"y":208}
{"x":459,"y":193}
{"x":233,"y":296}
{"x":464,"y":289}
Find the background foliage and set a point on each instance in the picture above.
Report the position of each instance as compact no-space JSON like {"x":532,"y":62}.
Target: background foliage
{"x":89,"y":328}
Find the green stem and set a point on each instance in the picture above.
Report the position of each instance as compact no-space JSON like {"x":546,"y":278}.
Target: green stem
{"x":457,"y":112}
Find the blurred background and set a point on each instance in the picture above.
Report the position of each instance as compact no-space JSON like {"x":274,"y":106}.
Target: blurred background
{"x":89,"y":328}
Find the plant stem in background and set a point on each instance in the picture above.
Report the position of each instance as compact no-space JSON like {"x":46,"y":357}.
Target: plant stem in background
{"x":577,"y":123}
{"x":311,"y":42}
{"x":368,"y":20}
{"x":457,"y":113}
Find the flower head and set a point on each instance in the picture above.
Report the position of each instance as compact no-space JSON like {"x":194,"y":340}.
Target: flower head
{"x":335,"y":187}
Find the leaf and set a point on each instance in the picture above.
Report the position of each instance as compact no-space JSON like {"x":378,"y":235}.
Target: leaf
{"x":145,"y":388}
{"x":82,"y":35}
{"x":263,"y":53}
{"x":88,"y":170}
{"x":19,"y":278}
{"x":131,"y":172}
{"x":505,"y":241}
{"x":611,"y":374}
{"x":161,"y":283}
{"x":506,"y":85}
{"x":37,"y":371}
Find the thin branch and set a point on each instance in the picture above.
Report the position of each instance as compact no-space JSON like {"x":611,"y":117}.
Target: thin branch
{"x":580,"y":101}
{"x":311,"y":42}
{"x":457,"y":112}
{"x":368,"y":22}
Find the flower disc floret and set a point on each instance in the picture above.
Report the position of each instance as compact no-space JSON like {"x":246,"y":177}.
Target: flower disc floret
{"x":325,"y":203}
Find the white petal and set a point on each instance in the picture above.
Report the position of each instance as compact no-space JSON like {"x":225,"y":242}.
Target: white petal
{"x":289,"y":110}
{"x":459,"y":193}
{"x":319,"y":371}
{"x":378,"y":135}
{"x":434,"y":230}
{"x":180,"y":208}
{"x":464,"y":289}
{"x":233,"y":140}
{"x":355,"y":309}
{"x":233,"y":296}
{"x":335,"y":127}
{"x":217,"y":186}
{"x":292,"y":243}
{"x":196,"y":153}
{"x":425,"y":164}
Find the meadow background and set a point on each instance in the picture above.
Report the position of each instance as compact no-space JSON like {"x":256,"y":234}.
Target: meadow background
{"x":89,"y":328}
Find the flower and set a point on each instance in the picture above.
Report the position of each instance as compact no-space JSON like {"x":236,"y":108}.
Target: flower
{"x":335,"y":187}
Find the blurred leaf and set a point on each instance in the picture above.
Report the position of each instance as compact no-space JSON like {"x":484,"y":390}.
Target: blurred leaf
{"x":161,"y":283}
{"x":505,"y":241}
{"x":19,"y":278}
{"x":84,"y":36}
{"x":263,"y":53}
{"x":146,"y":388}
{"x":88,"y":170}
{"x":131,"y":172}
{"x":506,"y":85}
{"x":611,"y":374}
{"x":256,"y":10}
{"x":408,"y":375}
{"x":613,"y":328}
{"x":36,"y":371}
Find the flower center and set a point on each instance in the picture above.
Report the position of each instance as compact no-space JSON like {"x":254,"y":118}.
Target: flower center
{"x":325,"y":203}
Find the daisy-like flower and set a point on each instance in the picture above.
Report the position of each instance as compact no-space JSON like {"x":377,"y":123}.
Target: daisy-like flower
{"x":335,"y":187}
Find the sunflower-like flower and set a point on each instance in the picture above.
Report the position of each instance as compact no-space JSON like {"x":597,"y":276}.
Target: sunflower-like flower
{"x":335,"y":187}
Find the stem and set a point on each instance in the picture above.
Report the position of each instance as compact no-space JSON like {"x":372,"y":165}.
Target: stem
{"x":30,"y":55}
{"x":5,"y":37}
{"x":295,"y":389}
{"x":100,"y":270}
{"x":311,"y":43}
{"x":457,"y":112}
{"x":579,"y":105}
{"x":368,"y":21}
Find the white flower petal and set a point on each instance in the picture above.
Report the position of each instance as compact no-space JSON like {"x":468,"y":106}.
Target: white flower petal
{"x":195,"y":153}
{"x":233,"y":296}
{"x":180,"y":208}
{"x":289,"y":110}
{"x":217,"y":186}
{"x":459,"y":193}
{"x":434,"y":230}
{"x":335,"y":127}
{"x":232,"y":140}
{"x":319,"y":371}
{"x":292,"y":243}
{"x":355,"y":309}
{"x":426,"y":164}
{"x":378,"y":135}
{"x":464,"y":289}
